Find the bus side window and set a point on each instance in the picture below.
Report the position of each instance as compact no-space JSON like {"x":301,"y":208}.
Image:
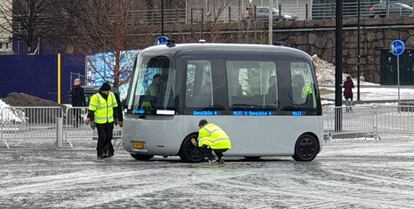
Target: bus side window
{"x":252,"y":84}
{"x":303,"y":92}
{"x":199,"y":84}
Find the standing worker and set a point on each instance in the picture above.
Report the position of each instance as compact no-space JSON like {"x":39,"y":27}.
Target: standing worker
{"x":78,"y":100}
{"x":103,"y":113}
{"x":212,"y":138}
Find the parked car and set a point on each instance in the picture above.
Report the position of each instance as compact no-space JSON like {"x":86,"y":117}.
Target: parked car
{"x":262,"y":13}
{"x":395,"y":9}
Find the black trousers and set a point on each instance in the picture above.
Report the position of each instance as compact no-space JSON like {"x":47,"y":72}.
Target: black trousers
{"x":105,"y":133}
{"x":209,"y":152}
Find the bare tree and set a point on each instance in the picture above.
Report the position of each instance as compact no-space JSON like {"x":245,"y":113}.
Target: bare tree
{"x":30,"y":20}
{"x":215,"y":10}
{"x":102,"y":26}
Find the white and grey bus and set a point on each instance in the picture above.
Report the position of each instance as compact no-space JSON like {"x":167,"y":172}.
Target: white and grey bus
{"x":265,"y":97}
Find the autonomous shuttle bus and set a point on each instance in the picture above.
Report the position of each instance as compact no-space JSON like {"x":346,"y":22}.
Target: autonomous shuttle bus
{"x":265,"y":97}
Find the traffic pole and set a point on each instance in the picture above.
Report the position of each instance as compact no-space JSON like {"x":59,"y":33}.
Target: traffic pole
{"x":398,"y":78}
{"x":338,"y":67}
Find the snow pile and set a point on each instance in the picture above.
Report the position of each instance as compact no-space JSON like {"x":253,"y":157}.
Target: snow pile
{"x":9,"y":114}
{"x":325,"y":71}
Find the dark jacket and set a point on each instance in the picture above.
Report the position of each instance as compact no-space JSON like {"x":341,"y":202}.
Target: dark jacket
{"x":348,"y":86}
{"x":78,"y":97}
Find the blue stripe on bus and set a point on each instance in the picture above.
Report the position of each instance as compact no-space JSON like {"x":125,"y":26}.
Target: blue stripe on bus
{"x":205,"y":113}
{"x":138,"y":111}
{"x":297,"y":113}
{"x":252,"y":113}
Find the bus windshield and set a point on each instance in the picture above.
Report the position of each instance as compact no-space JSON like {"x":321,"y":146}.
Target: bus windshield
{"x":153,"y":86}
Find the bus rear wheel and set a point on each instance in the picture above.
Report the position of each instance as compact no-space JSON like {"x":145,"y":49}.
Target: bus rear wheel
{"x":306,"y":148}
{"x":190,"y":153}
{"x":142,"y":157}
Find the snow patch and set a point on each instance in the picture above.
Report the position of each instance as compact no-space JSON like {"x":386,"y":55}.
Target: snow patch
{"x":10,"y":114}
{"x":325,"y":73}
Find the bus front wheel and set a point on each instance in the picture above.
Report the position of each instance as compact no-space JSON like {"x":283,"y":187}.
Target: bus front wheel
{"x":142,"y":157}
{"x":306,"y":148}
{"x":190,"y":153}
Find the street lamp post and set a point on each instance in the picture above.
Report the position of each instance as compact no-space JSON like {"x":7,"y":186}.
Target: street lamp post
{"x":162,"y":17}
{"x":338,"y":66}
{"x":359,"y":52}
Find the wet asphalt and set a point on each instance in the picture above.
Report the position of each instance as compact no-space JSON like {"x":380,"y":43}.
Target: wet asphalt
{"x":347,"y":174}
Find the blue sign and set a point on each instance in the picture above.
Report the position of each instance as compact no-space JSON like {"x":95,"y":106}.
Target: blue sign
{"x":161,"y":40}
{"x":397,"y":47}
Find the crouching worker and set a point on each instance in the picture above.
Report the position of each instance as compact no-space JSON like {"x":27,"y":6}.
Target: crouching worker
{"x":212,"y":138}
{"x":103,"y":113}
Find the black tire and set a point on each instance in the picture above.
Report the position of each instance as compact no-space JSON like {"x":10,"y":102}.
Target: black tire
{"x":255,"y":158}
{"x":141,"y":157}
{"x":190,"y":153}
{"x":306,"y":148}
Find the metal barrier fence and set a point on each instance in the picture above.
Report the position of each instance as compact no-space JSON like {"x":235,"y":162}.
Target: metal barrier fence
{"x":356,"y":120}
{"x":46,"y":126}
{"x":154,"y":16}
{"x":305,"y":10}
{"x":368,"y":121}
{"x":394,"y":119}
{"x":25,"y":123}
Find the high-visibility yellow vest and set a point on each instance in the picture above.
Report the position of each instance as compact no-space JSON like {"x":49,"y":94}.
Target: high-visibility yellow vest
{"x":103,"y":108}
{"x":307,"y":90}
{"x":213,"y":136}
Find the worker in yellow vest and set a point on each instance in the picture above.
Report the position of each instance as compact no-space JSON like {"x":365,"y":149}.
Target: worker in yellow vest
{"x":103,"y":114}
{"x":212,"y":138}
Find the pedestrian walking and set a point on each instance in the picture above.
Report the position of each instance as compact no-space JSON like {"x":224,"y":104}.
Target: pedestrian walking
{"x":212,"y":138}
{"x":103,"y":114}
{"x":78,"y":100}
{"x":348,"y":86}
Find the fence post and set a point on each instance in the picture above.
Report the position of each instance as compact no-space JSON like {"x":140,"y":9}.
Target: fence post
{"x":374,"y":120}
{"x":2,"y":127}
{"x":191,"y":17}
{"x":152,"y":17}
{"x":332,"y":11}
{"x":191,"y":22}
{"x":280,"y":11}
{"x":202,"y":23}
{"x":176,"y":15}
{"x":306,"y":12}
{"x":229,"y":14}
{"x":59,"y":132}
{"x":255,"y":10}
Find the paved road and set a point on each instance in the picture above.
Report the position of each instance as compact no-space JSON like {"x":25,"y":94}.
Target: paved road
{"x":347,"y":174}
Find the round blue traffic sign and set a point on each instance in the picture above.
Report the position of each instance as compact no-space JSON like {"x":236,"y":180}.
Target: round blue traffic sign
{"x":161,"y":40}
{"x":397,"y":47}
